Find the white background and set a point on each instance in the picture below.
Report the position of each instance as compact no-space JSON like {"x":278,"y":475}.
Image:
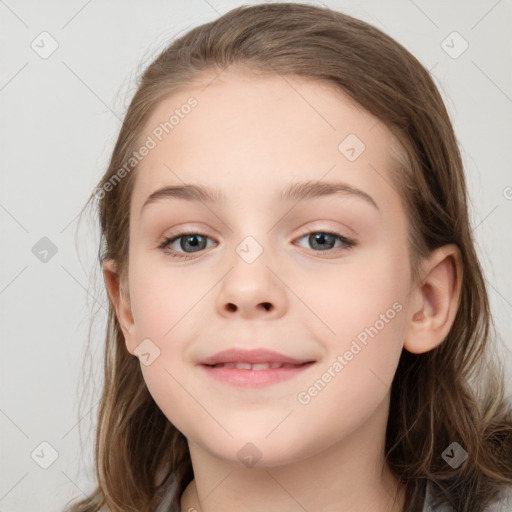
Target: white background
{"x":60,"y":118}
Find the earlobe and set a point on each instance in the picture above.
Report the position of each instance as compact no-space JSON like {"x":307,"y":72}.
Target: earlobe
{"x":120,"y":300}
{"x":435,"y":301}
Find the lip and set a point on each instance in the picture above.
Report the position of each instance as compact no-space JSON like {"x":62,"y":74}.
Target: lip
{"x":251,"y":356}
{"x":254,"y":378}
{"x":249,"y":378}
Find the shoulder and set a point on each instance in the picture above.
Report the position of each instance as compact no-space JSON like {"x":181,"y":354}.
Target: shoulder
{"x":428,"y":506}
{"x":169,"y":502}
{"x":502,"y":504}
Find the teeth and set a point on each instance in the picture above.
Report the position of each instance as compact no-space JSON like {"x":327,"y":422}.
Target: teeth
{"x":243,"y":366}
{"x":260,"y":366}
{"x":256,"y":366}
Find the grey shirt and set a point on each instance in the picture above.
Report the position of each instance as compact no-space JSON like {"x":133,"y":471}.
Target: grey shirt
{"x":503,"y":505}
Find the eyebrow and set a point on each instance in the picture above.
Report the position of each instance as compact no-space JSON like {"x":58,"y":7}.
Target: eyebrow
{"x":295,"y":192}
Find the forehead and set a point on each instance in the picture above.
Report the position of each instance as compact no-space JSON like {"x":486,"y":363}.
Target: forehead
{"x":252,"y":135}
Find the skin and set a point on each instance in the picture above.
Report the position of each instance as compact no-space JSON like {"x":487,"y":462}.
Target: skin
{"x":251,"y":136}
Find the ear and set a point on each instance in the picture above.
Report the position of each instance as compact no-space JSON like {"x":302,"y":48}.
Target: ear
{"x":120,"y":300}
{"x":435,"y":301}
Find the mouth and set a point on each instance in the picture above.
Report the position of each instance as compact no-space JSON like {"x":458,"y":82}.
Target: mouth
{"x":253,"y":357}
{"x":256,"y":366}
{"x":257,"y":375}
{"x":253,"y":368}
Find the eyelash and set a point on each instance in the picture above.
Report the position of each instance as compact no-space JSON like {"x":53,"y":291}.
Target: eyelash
{"x":348,"y":243}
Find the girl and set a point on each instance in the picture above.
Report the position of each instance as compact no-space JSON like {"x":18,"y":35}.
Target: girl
{"x":298,"y":318}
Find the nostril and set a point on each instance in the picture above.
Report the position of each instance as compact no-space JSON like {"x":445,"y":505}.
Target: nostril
{"x":231,"y":307}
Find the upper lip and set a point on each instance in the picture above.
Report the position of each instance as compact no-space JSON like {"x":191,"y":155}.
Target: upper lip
{"x":251,"y":356}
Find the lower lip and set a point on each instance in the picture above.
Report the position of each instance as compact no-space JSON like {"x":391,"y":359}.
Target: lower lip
{"x":254,"y":378}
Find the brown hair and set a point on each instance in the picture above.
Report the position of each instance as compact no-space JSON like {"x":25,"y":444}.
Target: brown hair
{"x":454,"y":392}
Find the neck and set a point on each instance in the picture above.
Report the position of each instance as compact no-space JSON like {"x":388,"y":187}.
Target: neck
{"x":350,"y":475}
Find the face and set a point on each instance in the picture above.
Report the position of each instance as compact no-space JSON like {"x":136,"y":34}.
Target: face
{"x":322,"y":278}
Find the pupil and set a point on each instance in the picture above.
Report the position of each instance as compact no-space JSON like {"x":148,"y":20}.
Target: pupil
{"x":321,"y":238}
{"x":190,"y":240}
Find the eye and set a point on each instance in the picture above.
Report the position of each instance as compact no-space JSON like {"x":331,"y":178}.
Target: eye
{"x":189,"y":239}
{"x":324,"y":241}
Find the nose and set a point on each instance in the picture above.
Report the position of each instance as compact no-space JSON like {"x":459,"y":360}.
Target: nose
{"x":252,"y":290}
{"x":267,"y":306}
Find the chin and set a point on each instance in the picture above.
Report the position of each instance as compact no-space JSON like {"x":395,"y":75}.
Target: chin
{"x":259,"y":451}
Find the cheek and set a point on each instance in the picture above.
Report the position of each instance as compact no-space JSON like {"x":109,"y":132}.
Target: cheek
{"x":362,"y":311}
{"x":366,"y":310}
{"x":166,"y":307}
{"x":162,"y":302}
{"x":348,"y":298}
{"x":163,"y":313}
